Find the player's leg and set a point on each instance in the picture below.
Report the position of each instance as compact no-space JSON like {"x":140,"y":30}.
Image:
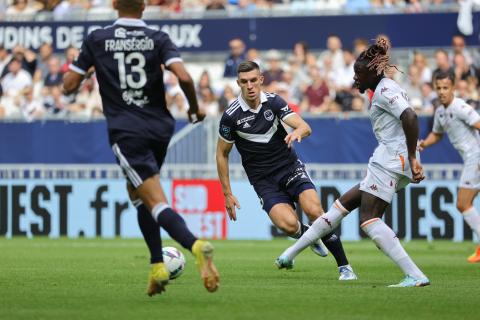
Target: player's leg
{"x":153,"y":197}
{"x":470,"y":215}
{"x":310,"y":203}
{"x":378,"y":189}
{"x":325,"y":224}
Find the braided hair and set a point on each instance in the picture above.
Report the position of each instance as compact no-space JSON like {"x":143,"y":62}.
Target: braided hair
{"x":376,"y":56}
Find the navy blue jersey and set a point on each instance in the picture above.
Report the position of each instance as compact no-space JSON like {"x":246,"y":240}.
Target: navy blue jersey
{"x":127,"y":58}
{"x":259,"y":134}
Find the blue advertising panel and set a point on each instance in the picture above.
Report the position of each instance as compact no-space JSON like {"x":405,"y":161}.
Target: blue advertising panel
{"x":100,"y":208}
{"x":196,"y":35}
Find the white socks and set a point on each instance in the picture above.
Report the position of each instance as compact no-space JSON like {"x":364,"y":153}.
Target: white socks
{"x":322,"y":226}
{"x":472,"y":218}
{"x":387,"y":241}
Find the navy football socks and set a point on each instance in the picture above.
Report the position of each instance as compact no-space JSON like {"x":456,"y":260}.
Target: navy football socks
{"x":151,"y":233}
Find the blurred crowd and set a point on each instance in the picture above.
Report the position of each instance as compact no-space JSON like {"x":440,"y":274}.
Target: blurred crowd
{"x":69,"y":9}
{"x":320,"y":83}
{"x":311,"y":82}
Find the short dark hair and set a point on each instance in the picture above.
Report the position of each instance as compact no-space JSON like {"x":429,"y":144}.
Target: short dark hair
{"x":247,"y":66}
{"x":130,"y":5}
{"x":445,"y":74}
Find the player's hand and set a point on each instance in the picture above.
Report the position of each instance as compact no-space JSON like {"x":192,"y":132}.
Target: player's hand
{"x":231,"y":203}
{"x":417,"y":170}
{"x":196,"y":116}
{"x":420,"y":146}
{"x":293,"y":136}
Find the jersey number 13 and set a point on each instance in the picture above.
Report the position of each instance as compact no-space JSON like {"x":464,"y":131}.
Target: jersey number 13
{"x":137,"y":62}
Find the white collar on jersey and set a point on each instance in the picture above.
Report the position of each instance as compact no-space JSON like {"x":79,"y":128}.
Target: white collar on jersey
{"x":246,"y":107}
{"x":130,"y":22}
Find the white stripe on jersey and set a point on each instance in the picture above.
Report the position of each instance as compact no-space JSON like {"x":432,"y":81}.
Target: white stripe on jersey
{"x":288,"y":115}
{"x":227,"y":141}
{"x":76,"y":69}
{"x":260,"y":138}
{"x":172,"y":60}
{"x":132,"y":174}
{"x":234,"y":106}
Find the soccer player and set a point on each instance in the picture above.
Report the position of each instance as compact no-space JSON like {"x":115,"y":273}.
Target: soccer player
{"x":253,"y":123}
{"x":128,"y":58}
{"x":393,"y":165}
{"x":461,"y":122}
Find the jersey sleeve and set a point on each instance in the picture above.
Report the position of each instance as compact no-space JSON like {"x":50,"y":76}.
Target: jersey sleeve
{"x":437,"y":126}
{"x":85,"y":58}
{"x":394,"y":101}
{"x":226,"y":130}
{"x":467,"y":114}
{"x":168,"y":51}
{"x":280,"y":108}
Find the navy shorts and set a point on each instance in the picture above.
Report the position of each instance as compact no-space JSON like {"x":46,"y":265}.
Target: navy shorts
{"x":283,"y":186}
{"x":139,"y":158}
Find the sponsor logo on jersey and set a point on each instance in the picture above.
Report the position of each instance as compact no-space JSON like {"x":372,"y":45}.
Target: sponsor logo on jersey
{"x":268,"y":114}
{"x":120,"y":33}
{"x":391,"y":101}
{"x":404,"y":95}
{"x":245,"y":119}
{"x":382,"y":90}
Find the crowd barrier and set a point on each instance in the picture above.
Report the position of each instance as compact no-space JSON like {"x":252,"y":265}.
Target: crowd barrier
{"x":334,"y":140}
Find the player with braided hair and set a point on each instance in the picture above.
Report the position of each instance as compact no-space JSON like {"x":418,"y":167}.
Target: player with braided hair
{"x":392,"y":166}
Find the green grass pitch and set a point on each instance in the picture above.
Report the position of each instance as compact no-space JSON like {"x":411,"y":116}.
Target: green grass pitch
{"x":106,"y":279}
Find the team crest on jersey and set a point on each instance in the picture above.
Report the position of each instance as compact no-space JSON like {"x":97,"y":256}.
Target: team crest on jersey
{"x":120,"y":33}
{"x":268,"y":114}
{"x":225,"y":130}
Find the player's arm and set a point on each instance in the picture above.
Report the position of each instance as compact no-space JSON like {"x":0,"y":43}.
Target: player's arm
{"x":72,"y":81}
{"x":188,"y":87}
{"x":431,"y":139}
{"x":301,"y":129}
{"x":410,"y":128}
{"x":223,"y":150}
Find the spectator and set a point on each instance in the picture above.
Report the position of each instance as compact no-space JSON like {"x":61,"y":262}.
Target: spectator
{"x":216,"y":5}
{"x":274,"y":72}
{"x":5,"y":58}
{"x":21,"y":10}
{"x":237,"y":55}
{"x":412,"y":84}
{"x":254,"y":55}
{"x":462,"y":69}
{"x":282,"y":89}
{"x":420,"y":61}
{"x":27,"y":57}
{"x":228,"y":96}
{"x":208,"y":102}
{"x":70,"y":9}
{"x":54,"y":77}
{"x":359,"y":45}
{"x":459,"y":47}
{"x":442,"y":62}
{"x":334,"y":53}
{"x":16,"y":79}
{"x":30,"y":106}
{"x":317,"y":95}
{"x":71,"y":53}
{"x":45,"y":52}
{"x":428,"y":97}
{"x":178,"y":106}
{"x":204,"y":81}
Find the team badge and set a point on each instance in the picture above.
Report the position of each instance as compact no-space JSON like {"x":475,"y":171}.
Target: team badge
{"x":268,"y":114}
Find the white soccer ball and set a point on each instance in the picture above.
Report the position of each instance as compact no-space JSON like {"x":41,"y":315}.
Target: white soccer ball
{"x":174,"y":261}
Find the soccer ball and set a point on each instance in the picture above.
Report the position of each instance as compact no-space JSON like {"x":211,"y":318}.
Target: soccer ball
{"x":174,"y":261}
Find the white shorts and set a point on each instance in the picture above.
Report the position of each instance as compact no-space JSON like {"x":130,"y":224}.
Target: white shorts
{"x":470,"y":178}
{"x":383,"y":183}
